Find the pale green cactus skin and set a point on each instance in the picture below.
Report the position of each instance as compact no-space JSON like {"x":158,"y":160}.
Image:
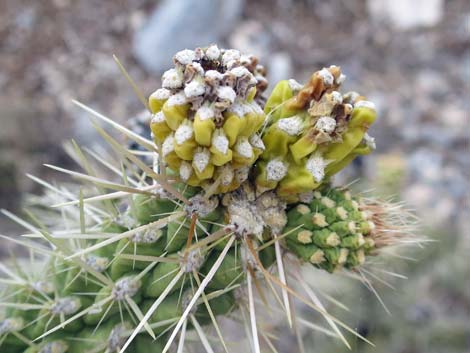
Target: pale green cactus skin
{"x":149,"y":286}
{"x":171,"y":238}
{"x":310,"y":227}
{"x":325,"y":226}
{"x":332,"y":231}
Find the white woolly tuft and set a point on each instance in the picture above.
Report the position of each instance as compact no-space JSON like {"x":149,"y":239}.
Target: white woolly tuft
{"x":185,"y":171}
{"x":226,"y":93}
{"x":336,"y":97}
{"x":161,"y":94}
{"x":365,"y":104}
{"x":11,"y":325}
{"x":276,"y":170}
{"x":66,"y":306}
{"x":370,"y":141}
{"x":229,"y":56}
{"x":316,"y":166}
{"x":118,"y":336}
{"x":214,"y":75}
{"x":244,"y":148}
{"x":239,"y":108}
{"x":255,"y":107}
{"x":340,"y":79}
{"x":294,"y":85}
{"x":205,"y":112}
{"x":201,"y":159}
{"x":326,"y":76}
{"x":292,"y":126}
{"x":326,"y":124}
{"x":183,"y":133}
{"x":201,"y":205}
{"x":220,"y":142}
{"x":241,"y":174}
{"x":240,"y":71}
{"x":168,"y":145}
{"x":213,"y":52}
{"x":185,"y":56}
{"x":257,"y":142}
{"x":177,"y":99}
{"x":172,"y":79}
{"x":98,"y":263}
{"x":126,"y":287}
{"x":191,"y":261}
{"x":158,"y":118}
{"x":194,"y":89}
{"x":227,"y":174}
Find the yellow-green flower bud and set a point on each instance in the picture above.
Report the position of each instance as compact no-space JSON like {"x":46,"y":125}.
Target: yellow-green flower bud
{"x":275,"y":106}
{"x":204,"y":125}
{"x":207,"y":115}
{"x":280,"y":135}
{"x":184,"y":141}
{"x":159,"y":127}
{"x":243,"y":153}
{"x":158,"y":98}
{"x":202,"y":163}
{"x":233,"y":126}
{"x":316,"y":130}
{"x":269,"y":173}
{"x":176,"y":110}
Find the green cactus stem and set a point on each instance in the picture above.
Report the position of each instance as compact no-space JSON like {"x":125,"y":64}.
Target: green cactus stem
{"x":238,"y":198}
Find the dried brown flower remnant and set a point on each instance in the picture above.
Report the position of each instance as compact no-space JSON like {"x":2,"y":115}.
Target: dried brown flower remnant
{"x":324,"y":80}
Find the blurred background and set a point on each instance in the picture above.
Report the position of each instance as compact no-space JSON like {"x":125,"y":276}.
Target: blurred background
{"x":411,"y":57}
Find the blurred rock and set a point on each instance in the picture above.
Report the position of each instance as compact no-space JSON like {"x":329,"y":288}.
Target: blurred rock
{"x":178,"y":24}
{"x":438,"y":188}
{"x":406,"y":14}
{"x":26,"y":18}
{"x":279,"y":67}
{"x":251,"y":37}
{"x":426,"y":165}
{"x":254,"y":38}
{"x":28,"y":138}
{"x":9,"y":189}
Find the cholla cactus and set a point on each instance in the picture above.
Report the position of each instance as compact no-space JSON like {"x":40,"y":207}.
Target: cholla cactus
{"x":237,"y":197}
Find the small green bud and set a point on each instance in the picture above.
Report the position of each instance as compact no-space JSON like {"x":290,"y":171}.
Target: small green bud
{"x":325,"y":238}
{"x":354,"y":241}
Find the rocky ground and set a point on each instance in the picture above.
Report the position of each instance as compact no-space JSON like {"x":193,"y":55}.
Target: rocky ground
{"x":413,"y":62}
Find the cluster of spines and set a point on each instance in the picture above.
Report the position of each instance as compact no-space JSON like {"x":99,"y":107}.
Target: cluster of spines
{"x":131,"y":279}
{"x":329,"y":228}
{"x":330,"y":231}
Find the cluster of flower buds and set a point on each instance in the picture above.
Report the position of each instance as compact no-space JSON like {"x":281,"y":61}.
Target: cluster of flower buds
{"x":313,"y":132}
{"x":332,"y":230}
{"x":207,"y":114}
